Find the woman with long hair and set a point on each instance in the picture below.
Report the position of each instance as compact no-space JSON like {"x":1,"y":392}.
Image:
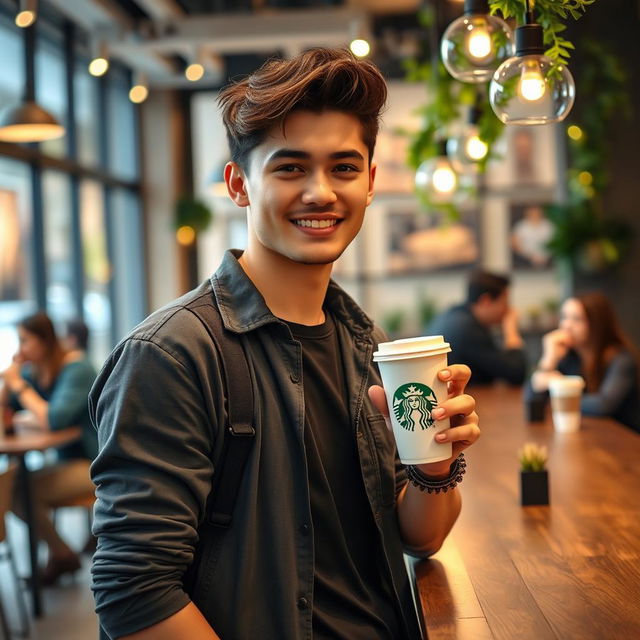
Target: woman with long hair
{"x":590,"y":342}
{"x":53,"y":385}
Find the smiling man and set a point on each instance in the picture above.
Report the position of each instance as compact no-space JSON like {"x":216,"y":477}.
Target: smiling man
{"x":325,"y":509}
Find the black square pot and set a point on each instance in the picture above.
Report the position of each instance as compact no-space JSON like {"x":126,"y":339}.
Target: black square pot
{"x":534,"y":487}
{"x":535,"y":409}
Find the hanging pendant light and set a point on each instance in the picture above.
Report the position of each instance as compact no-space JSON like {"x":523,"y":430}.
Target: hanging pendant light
{"x":467,"y":149}
{"x":529,"y":88}
{"x":436,"y":178}
{"x":28,"y":121}
{"x":474,"y":45}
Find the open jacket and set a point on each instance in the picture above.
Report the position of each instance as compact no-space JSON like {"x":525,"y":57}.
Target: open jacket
{"x":159,"y":408}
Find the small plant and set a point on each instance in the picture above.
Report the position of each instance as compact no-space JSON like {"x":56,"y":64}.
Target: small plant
{"x":532,"y":457}
{"x":393,"y":321}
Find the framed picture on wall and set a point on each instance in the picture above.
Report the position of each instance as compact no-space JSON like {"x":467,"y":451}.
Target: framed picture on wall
{"x":419,"y":242}
{"x":529,"y":233}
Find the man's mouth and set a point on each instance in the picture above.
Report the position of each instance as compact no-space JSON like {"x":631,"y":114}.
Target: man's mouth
{"x":316,"y":224}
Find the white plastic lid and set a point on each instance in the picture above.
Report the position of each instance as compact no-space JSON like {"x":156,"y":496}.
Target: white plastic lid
{"x":411,"y":348}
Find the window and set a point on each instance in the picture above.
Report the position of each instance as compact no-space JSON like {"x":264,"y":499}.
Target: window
{"x":87,"y":114}
{"x":16,"y":291}
{"x":123,"y":143}
{"x":12,"y":75}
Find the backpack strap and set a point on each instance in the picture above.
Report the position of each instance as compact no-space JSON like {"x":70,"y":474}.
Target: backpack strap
{"x":239,"y":433}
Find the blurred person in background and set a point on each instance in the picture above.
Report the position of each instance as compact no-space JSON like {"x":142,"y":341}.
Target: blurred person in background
{"x":53,"y":385}
{"x":590,"y":343}
{"x":76,"y":339}
{"x":469,"y":327}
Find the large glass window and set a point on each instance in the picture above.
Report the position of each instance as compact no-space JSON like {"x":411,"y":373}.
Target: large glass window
{"x":87,"y":114}
{"x":58,"y":247}
{"x":123,"y":144}
{"x":96,"y":303}
{"x":16,"y":290}
{"x":12,"y":75}
{"x":127,"y":244}
{"x":51,"y":92}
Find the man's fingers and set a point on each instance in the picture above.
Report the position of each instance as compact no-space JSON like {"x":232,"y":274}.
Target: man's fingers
{"x":379,"y":399}
{"x":454,"y":406}
{"x":457,"y":376}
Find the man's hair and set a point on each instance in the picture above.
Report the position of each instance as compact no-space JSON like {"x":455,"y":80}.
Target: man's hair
{"x":78,"y":329}
{"x":316,"y":80}
{"x":481,"y":282}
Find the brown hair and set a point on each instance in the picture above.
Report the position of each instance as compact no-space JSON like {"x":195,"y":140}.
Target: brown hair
{"x":39,"y":324}
{"x":606,"y":337}
{"x":316,"y":80}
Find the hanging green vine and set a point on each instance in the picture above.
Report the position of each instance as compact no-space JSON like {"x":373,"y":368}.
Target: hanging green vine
{"x":587,"y":235}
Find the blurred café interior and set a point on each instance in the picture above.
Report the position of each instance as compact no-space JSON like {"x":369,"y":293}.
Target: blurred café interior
{"x":112,"y":204}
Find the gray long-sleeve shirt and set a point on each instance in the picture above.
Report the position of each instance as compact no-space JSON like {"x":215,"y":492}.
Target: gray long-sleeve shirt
{"x":159,"y":407}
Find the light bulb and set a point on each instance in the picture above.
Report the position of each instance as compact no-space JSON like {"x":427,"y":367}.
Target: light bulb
{"x":138,"y":93}
{"x":194,"y":72}
{"x":360,"y":48}
{"x":474,"y":45}
{"x":532,"y":84}
{"x":479,"y":43}
{"x":25,"y":19}
{"x":436,"y":179}
{"x":530,"y":88}
{"x":475,"y":148}
{"x":444,"y":180}
{"x":98,"y":66}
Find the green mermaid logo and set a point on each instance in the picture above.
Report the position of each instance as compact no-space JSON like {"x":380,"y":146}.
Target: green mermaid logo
{"x":412,"y":404}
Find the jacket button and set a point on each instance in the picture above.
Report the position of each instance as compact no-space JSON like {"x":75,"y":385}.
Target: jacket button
{"x":304,"y":528}
{"x":295,"y":378}
{"x":303,"y":603}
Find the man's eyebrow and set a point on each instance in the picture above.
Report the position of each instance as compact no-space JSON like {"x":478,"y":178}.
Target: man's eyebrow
{"x":304,"y":155}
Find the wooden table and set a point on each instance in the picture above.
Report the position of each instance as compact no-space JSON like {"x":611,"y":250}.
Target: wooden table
{"x":570,"y":570}
{"x":19,"y":444}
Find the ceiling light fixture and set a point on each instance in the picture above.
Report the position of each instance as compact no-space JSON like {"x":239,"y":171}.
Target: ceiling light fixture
{"x":27,"y":14}
{"x":474,"y":45}
{"x":531,"y":88}
{"x":99,"y":64}
{"x":139,"y":92}
{"x":436,"y":178}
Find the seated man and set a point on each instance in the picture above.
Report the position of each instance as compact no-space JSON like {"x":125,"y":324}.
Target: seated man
{"x":468,"y":328}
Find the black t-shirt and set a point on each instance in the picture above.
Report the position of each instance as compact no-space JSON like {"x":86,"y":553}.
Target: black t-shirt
{"x":352,"y":593}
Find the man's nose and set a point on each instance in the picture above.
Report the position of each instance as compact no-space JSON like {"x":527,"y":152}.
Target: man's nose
{"x":318,"y":189}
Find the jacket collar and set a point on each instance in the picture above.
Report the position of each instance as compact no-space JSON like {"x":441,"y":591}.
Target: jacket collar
{"x":243,"y":308}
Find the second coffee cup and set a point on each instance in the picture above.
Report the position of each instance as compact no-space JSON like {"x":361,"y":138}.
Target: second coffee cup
{"x":409,"y":370}
{"x":566,"y":394}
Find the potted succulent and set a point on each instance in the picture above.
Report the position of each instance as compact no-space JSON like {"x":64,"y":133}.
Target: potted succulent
{"x":534,"y":480}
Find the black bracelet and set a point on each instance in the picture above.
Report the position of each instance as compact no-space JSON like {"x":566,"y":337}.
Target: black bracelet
{"x":431,"y":485}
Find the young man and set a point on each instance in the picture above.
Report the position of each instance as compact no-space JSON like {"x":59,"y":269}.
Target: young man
{"x":468,"y":327}
{"x":324,"y":509}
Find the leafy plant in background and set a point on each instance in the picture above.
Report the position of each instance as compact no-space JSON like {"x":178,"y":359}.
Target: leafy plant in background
{"x":586,"y":235}
{"x":446,"y":97}
{"x":191,"y":212}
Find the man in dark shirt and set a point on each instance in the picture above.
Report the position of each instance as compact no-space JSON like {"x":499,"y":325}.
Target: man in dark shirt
{"x":468,"y":328}
{"x":325,"y":507}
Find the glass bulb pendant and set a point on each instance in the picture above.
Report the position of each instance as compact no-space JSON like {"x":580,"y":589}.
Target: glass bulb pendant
{"x":528,"y":88}
{"x":437,"y":180}
{"x":474,"y":45}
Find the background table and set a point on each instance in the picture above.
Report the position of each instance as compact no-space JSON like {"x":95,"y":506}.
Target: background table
{"x":19,"y":444}
{"x":570,"y":570}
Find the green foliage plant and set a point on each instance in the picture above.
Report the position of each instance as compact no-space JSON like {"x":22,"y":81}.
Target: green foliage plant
{"x":191,"y":212}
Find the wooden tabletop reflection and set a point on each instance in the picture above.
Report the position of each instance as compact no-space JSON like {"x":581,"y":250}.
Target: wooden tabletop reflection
{"x":570,"y":570}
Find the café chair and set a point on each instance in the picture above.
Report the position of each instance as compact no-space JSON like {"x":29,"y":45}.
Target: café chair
{"x":83,"y":502}
{"x":6,"y":496}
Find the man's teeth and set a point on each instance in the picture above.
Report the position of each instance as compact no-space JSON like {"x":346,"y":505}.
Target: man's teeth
{"x":316,"y":224}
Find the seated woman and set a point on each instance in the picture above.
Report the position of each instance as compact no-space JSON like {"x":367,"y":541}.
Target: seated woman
{"x":53,"y":386}
{"x":590,"y":343}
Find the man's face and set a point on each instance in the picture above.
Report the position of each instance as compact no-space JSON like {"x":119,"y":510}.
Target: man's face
{"x":307,"y":187}
{"x":496,"y":308}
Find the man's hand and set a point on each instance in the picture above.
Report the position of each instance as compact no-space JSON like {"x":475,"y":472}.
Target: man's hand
{"x":458,"y":407}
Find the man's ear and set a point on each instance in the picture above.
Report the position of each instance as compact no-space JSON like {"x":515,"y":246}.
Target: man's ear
{"x":236,"y":184}
{"x":372,"y":177}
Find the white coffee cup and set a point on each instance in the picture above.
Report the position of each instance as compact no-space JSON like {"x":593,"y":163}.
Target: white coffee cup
{"x":566,"y":394}
{"x":409,"y":370}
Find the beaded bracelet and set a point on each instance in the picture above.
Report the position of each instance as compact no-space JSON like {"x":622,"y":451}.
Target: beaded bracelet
{"x":430,"y":485}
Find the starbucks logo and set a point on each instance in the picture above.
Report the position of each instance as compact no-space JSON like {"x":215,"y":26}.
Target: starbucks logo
{"x":412,"y":405}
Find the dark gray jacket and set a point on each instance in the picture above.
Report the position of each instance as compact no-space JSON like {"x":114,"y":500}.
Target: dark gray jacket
{"x":159,"y":408}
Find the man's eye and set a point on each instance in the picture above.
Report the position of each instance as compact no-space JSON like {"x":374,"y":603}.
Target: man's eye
{"x":288,"y":168}
{"x":346,"y":168}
